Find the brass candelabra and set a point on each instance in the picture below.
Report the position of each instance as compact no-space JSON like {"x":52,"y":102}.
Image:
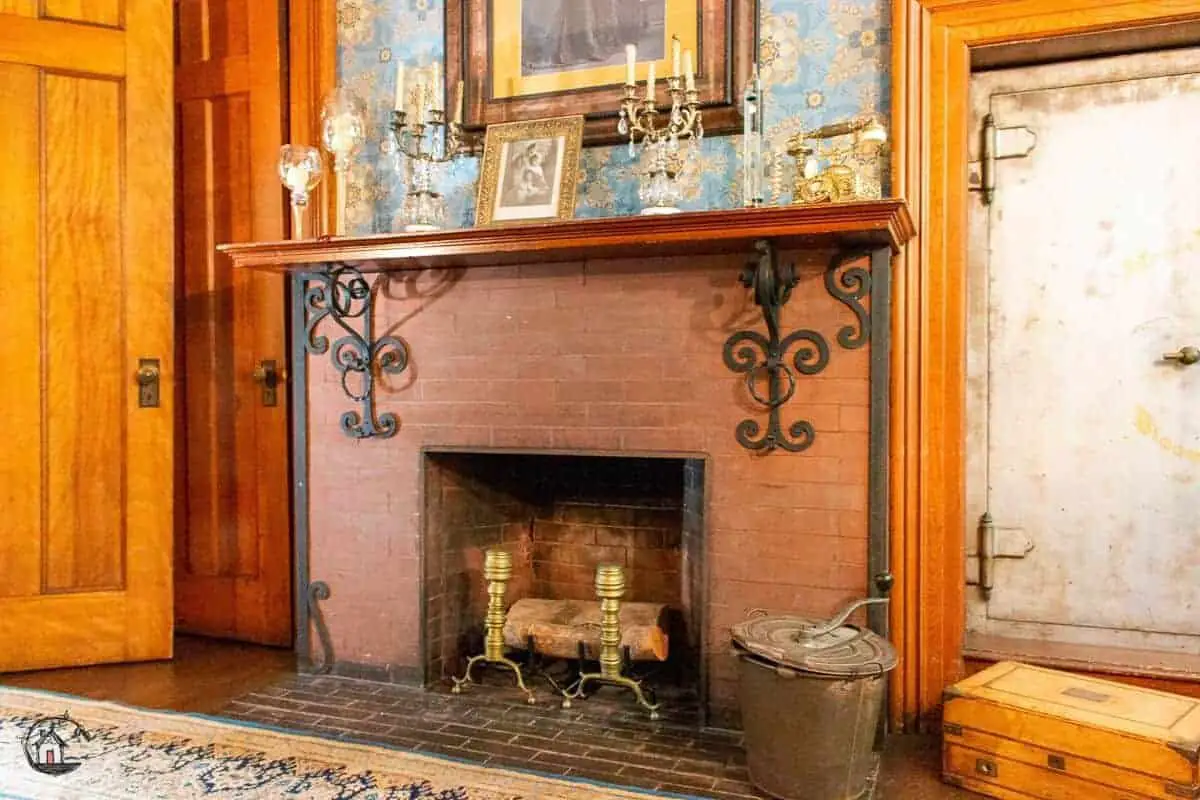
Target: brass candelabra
{"x":498,"y":570}
{"x":660,"y":189}
{"x":610,"y":588}
{"x":421,"y":144}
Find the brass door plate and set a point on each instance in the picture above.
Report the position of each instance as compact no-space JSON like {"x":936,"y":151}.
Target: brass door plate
{"x":268,"y":377}
{"x":147,"y":375}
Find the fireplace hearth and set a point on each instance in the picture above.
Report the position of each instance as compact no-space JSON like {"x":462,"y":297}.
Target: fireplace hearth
{"x":561,"y":515}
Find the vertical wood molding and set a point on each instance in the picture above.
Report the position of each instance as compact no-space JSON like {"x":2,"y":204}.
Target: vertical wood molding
{"x":908,"y":114}
{"x":312,"y":73}
{"x":932,"y":40}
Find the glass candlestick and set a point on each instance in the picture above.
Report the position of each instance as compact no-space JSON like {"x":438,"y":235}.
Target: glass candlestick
{"x":752,"y":141}
{"x":300,"y":169}
{"x":343,"y":128}
{"x":660,"y":190}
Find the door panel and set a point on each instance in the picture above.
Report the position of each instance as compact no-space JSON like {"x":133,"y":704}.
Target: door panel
{"x":86,"y":258}
{"x":97,"y":12}
{"x":233,"y":566}
{"x":1083,"y":277}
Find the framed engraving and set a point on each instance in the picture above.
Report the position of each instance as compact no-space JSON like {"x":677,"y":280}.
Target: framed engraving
{"x":529,"y":170}
{"x":526,"y":59}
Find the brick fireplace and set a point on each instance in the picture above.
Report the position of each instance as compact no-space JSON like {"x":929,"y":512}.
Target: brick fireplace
{"x":611,"y":358}
{"x":561,"y":515}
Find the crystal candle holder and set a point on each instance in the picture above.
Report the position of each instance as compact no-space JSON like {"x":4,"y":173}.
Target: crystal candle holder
{"x":660,"y":190}
{"x":300,"y":169}
{"x":423,"y":208}
{"x":343,"y":128}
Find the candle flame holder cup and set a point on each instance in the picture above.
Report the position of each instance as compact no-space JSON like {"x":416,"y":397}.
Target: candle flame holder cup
{"x":301,"y":169}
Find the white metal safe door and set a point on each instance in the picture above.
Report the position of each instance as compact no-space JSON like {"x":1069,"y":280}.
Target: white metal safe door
{"x":1084,"y":442}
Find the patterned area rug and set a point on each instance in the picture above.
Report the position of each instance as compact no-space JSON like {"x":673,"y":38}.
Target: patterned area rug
{"x":57,"y":746}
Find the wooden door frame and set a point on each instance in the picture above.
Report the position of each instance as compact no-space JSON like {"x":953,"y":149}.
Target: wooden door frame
{"x":931,"y":67}
{"x":311,"y":74}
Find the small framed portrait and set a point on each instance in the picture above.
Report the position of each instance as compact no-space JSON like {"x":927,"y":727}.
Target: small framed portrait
{"x":529,"y":170}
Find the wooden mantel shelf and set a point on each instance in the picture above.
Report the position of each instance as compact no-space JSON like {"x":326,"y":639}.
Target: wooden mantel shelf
{"x":868,"y":225}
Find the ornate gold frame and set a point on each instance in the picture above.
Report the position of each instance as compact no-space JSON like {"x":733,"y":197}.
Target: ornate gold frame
{"x":724,"y":32}
{"x":569,"y":128}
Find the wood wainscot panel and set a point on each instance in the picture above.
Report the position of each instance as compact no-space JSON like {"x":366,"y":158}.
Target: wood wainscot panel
{"x":86,"y":452}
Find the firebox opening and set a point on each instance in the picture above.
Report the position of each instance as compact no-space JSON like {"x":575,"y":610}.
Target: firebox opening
{"x":561,"y":515}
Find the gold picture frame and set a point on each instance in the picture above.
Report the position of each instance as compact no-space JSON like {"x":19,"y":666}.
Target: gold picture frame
{"x":530,"y":59}
{"x":529,"y":170}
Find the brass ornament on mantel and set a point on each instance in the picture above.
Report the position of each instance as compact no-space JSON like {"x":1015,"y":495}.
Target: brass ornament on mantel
{"x":840,"y":181}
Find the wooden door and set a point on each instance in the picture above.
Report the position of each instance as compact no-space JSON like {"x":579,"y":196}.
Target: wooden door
{"x":232,"y":566}
{"x":1085,"y":444}
{"x":86,"y":266}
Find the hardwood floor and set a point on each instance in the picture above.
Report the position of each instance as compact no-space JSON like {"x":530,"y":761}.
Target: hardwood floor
{"x":205,"y":675}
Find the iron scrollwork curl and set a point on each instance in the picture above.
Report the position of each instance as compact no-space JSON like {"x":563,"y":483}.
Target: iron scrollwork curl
{"x":318,"y":591}
{"x":753,"y":355}
{"x":850,"y":285}
{"x":344,"y":295}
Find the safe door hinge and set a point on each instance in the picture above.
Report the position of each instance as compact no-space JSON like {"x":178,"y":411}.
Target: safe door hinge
{"x":994,"y":542}
{"x":996,"y":144}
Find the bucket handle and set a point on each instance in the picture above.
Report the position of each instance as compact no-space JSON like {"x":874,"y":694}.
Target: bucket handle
{"x":840,"y":619}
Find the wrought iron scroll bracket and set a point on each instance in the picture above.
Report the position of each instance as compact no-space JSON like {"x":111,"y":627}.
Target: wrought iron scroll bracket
{"x":318,"y":591}
{"x":777,"y":361}
{"x":343,"y":295}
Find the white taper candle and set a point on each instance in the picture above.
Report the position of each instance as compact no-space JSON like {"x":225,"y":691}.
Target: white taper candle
{"x":400,"y":104}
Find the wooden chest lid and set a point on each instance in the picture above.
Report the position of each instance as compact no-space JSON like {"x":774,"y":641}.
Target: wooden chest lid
{"x":1102,"y":714}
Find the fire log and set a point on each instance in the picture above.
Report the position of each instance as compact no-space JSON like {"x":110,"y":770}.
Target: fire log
{"x":558,"y":626}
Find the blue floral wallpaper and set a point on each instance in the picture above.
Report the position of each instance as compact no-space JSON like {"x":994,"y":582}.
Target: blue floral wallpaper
{"x":821,"y":61}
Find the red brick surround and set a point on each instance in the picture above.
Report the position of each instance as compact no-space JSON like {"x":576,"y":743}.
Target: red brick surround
{"x":604,"y":356}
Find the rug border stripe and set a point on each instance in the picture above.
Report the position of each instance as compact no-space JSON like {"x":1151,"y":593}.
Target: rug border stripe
{"x":166,"y":712}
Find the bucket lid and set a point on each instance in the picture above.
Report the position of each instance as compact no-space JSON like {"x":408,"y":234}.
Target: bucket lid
{"x":846,"y":651}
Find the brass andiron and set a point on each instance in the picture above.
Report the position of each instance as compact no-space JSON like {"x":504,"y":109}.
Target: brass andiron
{"x":497,"y":569}
{"x":610,"y":588}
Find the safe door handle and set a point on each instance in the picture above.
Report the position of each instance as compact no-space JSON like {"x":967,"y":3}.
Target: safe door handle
{"x":1185,"y":356}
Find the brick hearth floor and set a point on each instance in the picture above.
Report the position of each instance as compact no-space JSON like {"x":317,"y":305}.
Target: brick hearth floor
{"x":602,"y":738}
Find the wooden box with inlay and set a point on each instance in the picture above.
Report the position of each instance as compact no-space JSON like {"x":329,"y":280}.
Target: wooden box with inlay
{"x":1016,"y":731}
